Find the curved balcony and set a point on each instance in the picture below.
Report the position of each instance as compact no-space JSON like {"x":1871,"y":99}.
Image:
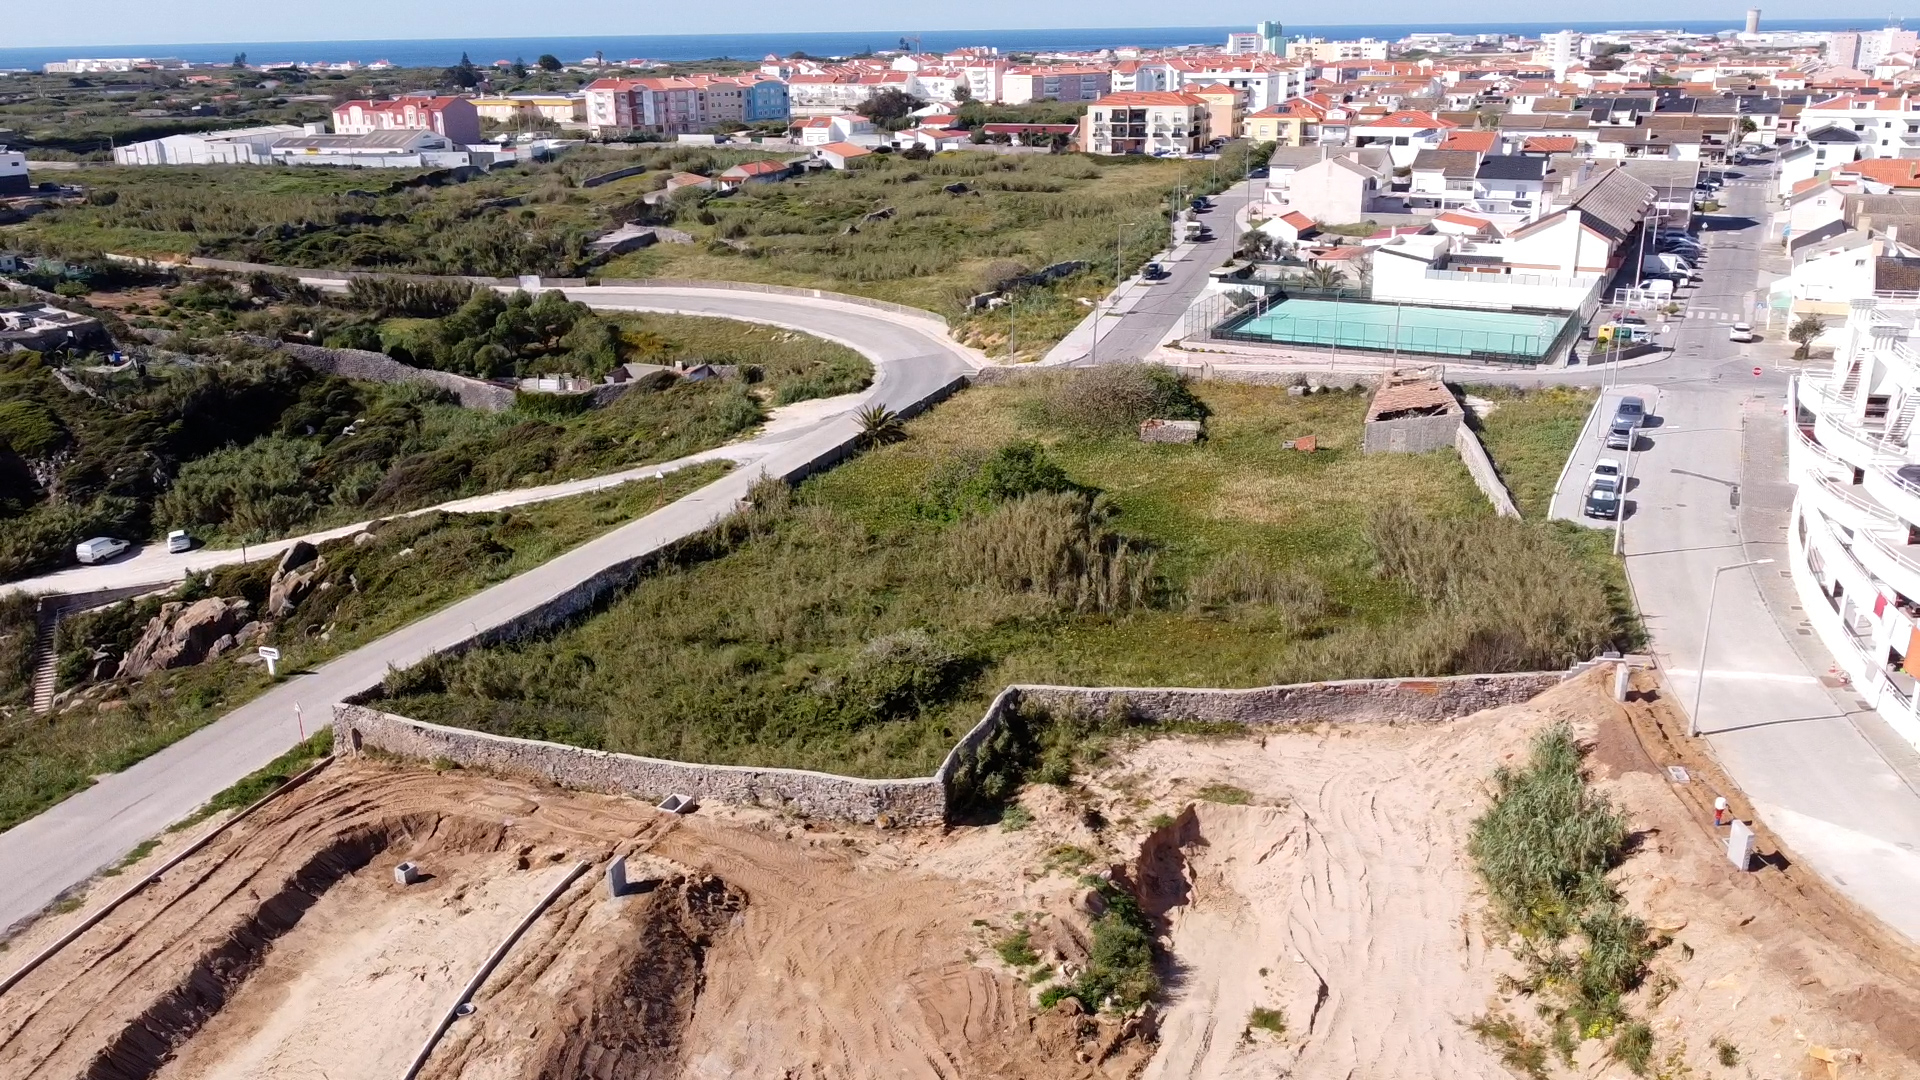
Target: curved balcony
{"x":1888,"y":560}
{"x":1848,"y":439}
{"x":1847,"y":505}
{"x":1895,"y":485}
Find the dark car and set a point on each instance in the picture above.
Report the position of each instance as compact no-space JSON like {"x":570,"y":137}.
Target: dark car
{"x":1603,"y":500}
{"x":1201,"y":202}
{"x":1153,"y":271}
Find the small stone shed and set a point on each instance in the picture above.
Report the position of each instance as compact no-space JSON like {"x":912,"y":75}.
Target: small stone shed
{"x":1412,"y":413}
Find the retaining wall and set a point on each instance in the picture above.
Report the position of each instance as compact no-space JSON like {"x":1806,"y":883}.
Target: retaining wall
{"x":919,"y":801}
{"x":930,"y":800}
{"x":1484,"y":474}
{"x":378,"y":367}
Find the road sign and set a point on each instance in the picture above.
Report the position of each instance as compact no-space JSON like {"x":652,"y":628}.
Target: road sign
{"x":272,"y":656}
{"x":1756,"y":372}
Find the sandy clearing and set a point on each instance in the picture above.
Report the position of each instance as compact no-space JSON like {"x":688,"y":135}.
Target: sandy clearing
{"x":1324,"y":877}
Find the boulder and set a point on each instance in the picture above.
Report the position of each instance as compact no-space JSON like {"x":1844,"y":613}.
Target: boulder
{"x":221,"y":645}
{"x":287,"y":592}
{"x":295,"y":557}
{"x":183,"y":634}
{"x":254,"y":633}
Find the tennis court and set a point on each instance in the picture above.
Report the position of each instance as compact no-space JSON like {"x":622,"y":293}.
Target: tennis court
{"x":1407,"y":328}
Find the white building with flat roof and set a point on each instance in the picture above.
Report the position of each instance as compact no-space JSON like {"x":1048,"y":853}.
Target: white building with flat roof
{"x":237,"y":146}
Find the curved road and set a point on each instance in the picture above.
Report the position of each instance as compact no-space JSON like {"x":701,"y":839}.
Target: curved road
{"x":914,"y":363}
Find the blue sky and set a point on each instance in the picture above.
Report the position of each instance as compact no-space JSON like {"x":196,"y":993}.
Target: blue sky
{"x":155,"y":22}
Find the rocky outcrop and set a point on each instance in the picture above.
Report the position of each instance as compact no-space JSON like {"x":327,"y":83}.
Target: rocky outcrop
{"x":185,"y":634}
{"x":294,"y":578}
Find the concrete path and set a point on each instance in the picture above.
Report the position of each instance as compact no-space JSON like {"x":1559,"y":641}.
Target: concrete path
{"x":90,"y":830}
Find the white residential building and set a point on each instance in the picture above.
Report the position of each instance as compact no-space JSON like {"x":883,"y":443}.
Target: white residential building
{"x":1147,"y":123}
{"x":1853,"y":547}
{"x":1886,"y":127}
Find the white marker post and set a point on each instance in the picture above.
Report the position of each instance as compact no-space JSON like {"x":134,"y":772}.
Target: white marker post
{"x":272,"y":656}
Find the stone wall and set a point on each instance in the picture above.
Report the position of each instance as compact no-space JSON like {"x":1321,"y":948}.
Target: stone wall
{"x":378,"y":367}
{"x":1484,"y":475}
{"x":1411,"y":434}
{"x":930,"y":800}
{"x":919,"y":801}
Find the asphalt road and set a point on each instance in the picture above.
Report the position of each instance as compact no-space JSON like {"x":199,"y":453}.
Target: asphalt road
{"x":1139,"y":314}
{"x":1709,"y":490}
{"x":913,"y":361}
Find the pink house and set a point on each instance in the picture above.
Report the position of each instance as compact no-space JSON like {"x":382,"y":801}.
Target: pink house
{"x":451,"y":117}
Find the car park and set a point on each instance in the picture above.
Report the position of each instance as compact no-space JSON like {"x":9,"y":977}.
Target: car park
{"x":1742,"y":332}
{"x":1631,"y":411}
{"x":1620,"y":437}
{"x":99,"y":549}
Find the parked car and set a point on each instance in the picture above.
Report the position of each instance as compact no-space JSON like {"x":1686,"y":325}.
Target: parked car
{"x":178,"y":541}
{"x":1603,"y":499}
{"x":99,"y":549}
{"x":1741,"y":332}
{"x":1620,"y":437}
{"x":1201,"y":202}
{"x":1605,"y":469}
{"x":1631,"y":411}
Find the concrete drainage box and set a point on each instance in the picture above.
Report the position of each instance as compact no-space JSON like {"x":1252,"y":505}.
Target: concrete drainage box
{"x":679,"y":804}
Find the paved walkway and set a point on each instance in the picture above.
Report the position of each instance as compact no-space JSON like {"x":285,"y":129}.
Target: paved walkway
{"x":67,"y":844}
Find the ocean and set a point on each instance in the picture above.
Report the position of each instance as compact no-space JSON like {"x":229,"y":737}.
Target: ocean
{"x":439,"y":53}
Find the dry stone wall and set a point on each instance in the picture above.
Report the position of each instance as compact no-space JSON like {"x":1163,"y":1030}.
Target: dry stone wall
{"x":378,"y":367}
{"x":929,"y":800}
{"x":919,"y":801}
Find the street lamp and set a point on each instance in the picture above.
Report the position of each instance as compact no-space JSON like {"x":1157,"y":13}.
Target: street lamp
{"x":1706,"y":635}
{"x":1093,"y":347}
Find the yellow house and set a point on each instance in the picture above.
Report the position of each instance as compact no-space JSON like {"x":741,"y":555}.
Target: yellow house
{"x":1225,"y":107}
{"x":1290,"y":123}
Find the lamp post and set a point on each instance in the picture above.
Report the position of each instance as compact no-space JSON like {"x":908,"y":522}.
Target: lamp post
{"x":1093,"y":347}
{"x":1706,"y":636}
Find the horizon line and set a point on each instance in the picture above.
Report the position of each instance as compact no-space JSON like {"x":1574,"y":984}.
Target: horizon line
{"x":1439,"y":26}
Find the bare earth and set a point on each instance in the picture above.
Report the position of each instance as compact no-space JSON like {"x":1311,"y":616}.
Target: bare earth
{"x":1322,"y":876}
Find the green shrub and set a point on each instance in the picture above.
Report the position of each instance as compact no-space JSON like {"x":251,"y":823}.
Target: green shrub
{"x":966,"y":484}
{"x":1545,"y":845}
{"x":1120,"y":964}
{"x":1240,"y":583}
{"x":1633,"y":1047}
{"x":1017,"y":949}
{"x":1054,"y":546}
{"x":1115,"y":398}
{"x":1226,"y":794}
{"x":1269,"y":1020}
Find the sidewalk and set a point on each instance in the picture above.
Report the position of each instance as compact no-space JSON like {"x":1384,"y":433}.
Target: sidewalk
{"x":1109,"y":311}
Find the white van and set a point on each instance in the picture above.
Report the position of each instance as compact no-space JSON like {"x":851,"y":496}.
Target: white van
{"x":99,"y":549}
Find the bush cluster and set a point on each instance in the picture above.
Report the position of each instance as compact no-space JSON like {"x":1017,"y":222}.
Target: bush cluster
{"x":1544,"y":848}
{"x":1116,"y":398}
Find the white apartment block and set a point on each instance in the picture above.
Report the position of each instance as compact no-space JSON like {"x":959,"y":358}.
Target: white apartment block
{"x":1145,"y":122}
{"x":1322,"y":51}
{"x":1853,"y":547}
{"x":1887,"y":127}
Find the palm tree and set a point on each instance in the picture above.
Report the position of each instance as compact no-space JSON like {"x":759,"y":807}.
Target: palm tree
{"x":1324,"y":276}
{"x":879,"y":426}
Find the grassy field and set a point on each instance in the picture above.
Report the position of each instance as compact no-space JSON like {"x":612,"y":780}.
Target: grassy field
{"x":889,"y":229}
{"x":415,"y":566}
{"x":1529,"y":435}
{"x":1021,"y":533}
